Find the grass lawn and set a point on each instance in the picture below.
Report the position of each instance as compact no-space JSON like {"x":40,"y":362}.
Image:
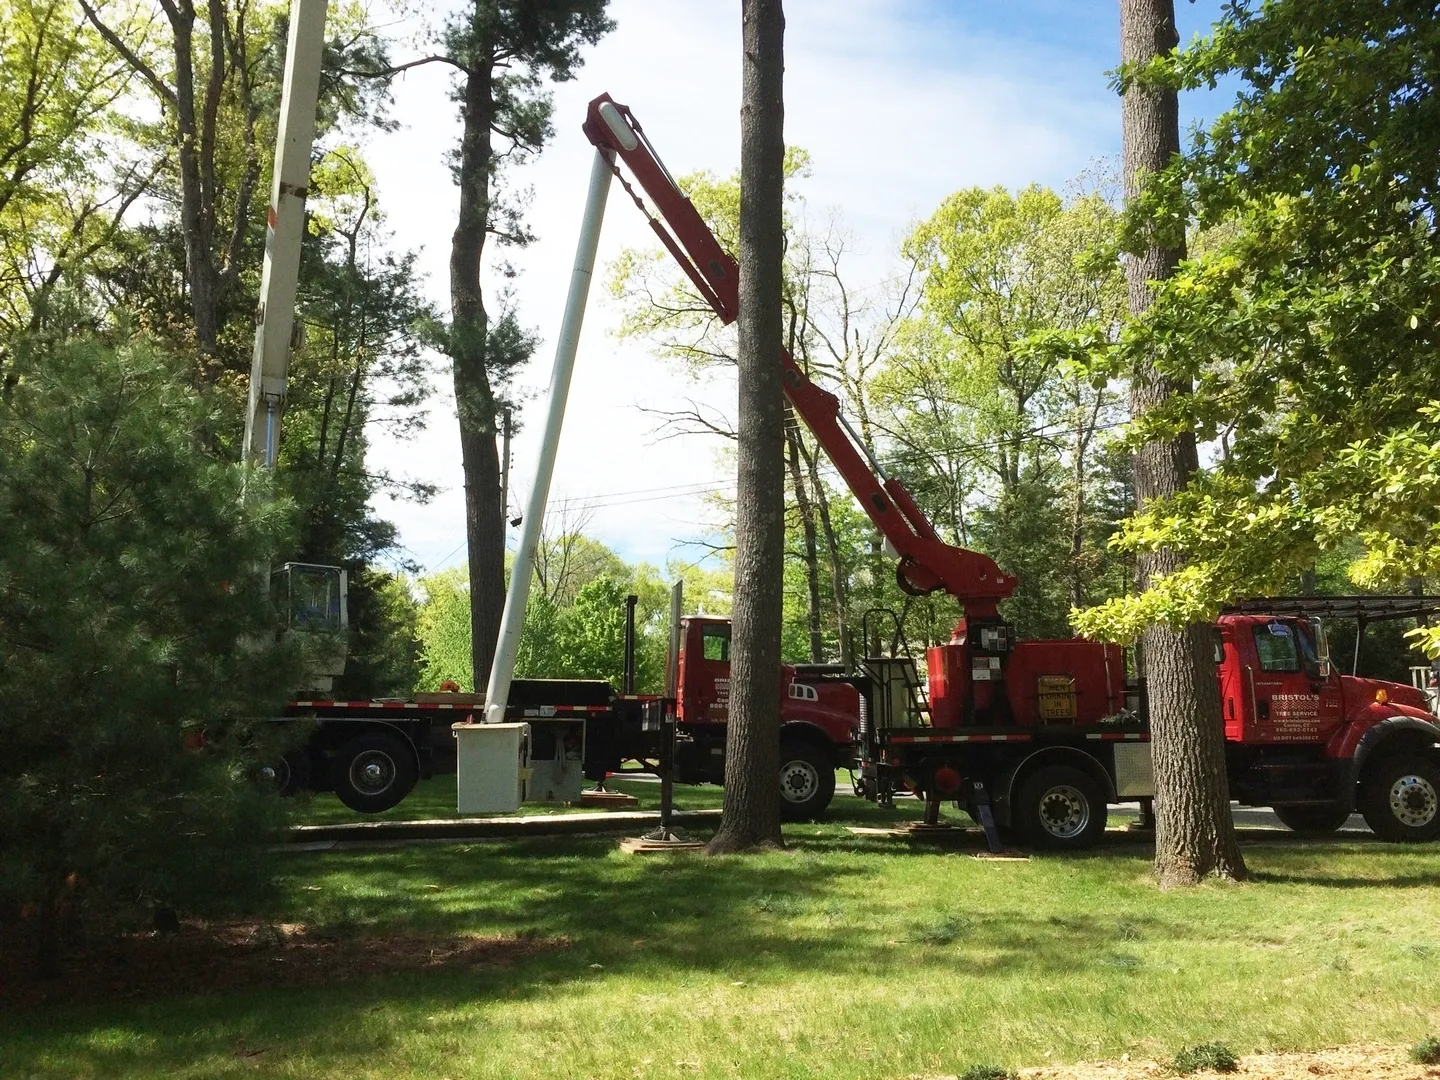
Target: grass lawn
{"x":843,"y":956}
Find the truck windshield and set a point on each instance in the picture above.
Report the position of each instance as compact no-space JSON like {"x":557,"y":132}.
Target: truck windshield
{"x":1276,"y":648}
{"x":715,"y":643}
{"x":315,"y":598}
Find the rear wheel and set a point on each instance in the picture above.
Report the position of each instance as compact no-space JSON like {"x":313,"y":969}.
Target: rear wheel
{"x":374,"y":772}
{"x":287,"y":773}
{"x":1313,"y":820}
{"x":1061,"y":808}
{"x":1400,"y":798}
{"x":807,"y":780}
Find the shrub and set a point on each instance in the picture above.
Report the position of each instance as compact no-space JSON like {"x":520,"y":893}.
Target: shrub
{"x":1426,"y":1051}
{"x":1210,"y":1056}
{"x":987,"y":1072}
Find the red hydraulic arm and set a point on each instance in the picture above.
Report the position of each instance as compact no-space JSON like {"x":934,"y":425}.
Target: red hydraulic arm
{"x":927,"y":563}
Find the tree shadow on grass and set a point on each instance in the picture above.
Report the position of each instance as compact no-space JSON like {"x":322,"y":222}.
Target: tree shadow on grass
{"x":810,"y":910}
{"x":1336,"y":881}
{"x":758,"y":918}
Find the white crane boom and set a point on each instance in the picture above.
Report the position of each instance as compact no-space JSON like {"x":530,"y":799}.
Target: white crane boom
{"x":285,"y":227}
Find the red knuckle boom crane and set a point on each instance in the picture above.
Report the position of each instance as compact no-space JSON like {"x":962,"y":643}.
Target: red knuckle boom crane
{"x":927,"y":563}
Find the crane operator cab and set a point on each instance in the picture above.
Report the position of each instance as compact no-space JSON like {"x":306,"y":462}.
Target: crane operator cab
{"x":312,"y":601}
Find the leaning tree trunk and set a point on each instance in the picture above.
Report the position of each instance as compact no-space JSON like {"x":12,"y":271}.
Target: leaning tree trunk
{"x":1194,"y":833}
{"x":751,"y":815}
{"x":475,"y":407}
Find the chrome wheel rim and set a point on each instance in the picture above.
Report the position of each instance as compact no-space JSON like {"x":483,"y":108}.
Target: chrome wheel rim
{"x":1064,"y":812}
{"x":1413,"y":801}
{"x":372,"y":772}
{"x":799,"y":780}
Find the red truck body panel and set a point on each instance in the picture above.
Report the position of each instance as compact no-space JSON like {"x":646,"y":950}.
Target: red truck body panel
{"x":704,"y":682}
{"x":1067,"y":680}
{"x":1274,"y":690}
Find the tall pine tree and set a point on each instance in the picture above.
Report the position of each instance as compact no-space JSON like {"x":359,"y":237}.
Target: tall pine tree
{"x":133,"y":622}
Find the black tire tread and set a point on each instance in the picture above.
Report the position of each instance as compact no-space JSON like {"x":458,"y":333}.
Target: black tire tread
{"x":1374,"y":797}
{"x":1026,"y":809}
{"x":406,"y":772}
{"x":791,"y":749}
{"x":1313,"y":820}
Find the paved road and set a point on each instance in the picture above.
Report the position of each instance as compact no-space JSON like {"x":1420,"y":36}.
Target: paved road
{"x":1251,"y":817}
{"x":1246,"y":817}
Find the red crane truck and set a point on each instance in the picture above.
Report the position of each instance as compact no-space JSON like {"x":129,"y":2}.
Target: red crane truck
{"x":1045,"y":734}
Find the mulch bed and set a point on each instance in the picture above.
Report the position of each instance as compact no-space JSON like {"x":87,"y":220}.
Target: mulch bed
{"x":204,"y":958}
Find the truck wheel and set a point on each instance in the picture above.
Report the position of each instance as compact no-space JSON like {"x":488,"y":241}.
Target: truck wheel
{"x":374,"y":772}
{"x":287,"y":774}
{"x":1312,"y":820}
{"x":807,"y":781}
{"x":1400,"y":799}
{"x":1061,"y":808}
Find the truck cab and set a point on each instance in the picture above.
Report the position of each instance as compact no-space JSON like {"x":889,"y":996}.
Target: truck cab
{"x":312,"y":601}
{"x":819,"y":718}
{"x":1318,"y":745}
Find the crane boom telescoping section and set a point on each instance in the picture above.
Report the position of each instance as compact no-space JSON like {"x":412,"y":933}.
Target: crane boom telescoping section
{"x":926,"y":562}
{"x":284,"y":231}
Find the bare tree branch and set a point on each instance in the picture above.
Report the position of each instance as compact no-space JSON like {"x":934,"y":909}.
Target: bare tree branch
{"x":131,"y":57}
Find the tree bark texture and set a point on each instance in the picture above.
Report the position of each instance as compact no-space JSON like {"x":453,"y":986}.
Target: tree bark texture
{"x":1194,"y":832}
{"x":751,"y":815}
{"x":475,"y":405}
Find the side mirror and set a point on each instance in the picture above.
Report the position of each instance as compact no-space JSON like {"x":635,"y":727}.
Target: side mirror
{"x":1325,"y":667}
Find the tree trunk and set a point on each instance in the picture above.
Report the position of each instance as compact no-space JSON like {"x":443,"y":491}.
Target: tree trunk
{"x":474,"y":397}
{"x":832,"y":550}
{"x":1194,"y":833}
{"x":204,"y":301}
{"x":812,"y":546}
{"x":1077,"y":514}
{"x":752,"y":756}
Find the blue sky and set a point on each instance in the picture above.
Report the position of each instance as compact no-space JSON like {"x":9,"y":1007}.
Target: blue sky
{"x":899,"y":102}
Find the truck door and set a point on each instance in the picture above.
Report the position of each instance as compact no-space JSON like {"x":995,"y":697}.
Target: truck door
{"x":1234,"y":670}
{"x":1291,"y":700}
{"x":705,"y":675}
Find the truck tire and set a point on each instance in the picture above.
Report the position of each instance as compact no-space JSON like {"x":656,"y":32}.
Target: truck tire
{"x":374,"y":772}
{"x":807,"y":780}
{"x":288,"y":774}
{"x":1400,"y":799}
{"x":1061,"y":808}
{"x":1313,"y":820}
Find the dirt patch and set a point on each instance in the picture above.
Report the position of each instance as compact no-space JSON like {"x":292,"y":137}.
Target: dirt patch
{"x":1339,"y":1063}
{"x":204,"y":958}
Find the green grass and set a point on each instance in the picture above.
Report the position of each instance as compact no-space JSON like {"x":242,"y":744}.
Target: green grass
{"x":844,"y":956}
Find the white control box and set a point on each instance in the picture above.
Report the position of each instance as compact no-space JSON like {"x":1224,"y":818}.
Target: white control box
{"x":492,"y":764}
